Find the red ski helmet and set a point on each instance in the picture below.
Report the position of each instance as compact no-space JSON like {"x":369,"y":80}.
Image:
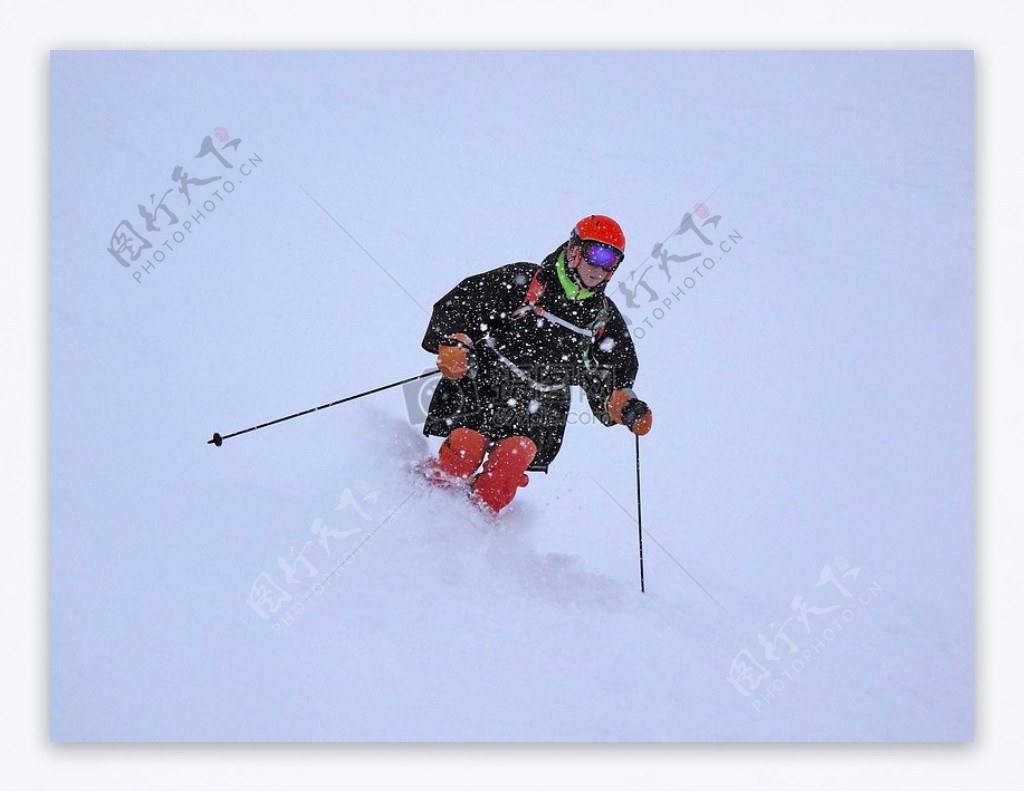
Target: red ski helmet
{"x":600,"y":228}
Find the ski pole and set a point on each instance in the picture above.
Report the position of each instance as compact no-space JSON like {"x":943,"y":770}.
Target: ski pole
{"x":218,"y":438}
{"x":639,"y":516}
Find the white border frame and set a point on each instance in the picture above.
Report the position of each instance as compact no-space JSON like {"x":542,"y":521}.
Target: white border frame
{"x":991,"y":28}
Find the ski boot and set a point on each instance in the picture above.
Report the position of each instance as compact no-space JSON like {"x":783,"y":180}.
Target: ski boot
{"x":504,"y":472}
{"x":458,"y":458}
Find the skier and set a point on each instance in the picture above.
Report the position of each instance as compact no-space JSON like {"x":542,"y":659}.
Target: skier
{"x":509,"y":343}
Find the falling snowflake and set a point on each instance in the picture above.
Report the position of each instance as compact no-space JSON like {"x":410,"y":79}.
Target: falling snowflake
{"x":607,"y":345}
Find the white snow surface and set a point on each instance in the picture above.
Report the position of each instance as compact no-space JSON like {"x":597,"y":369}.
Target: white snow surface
{"x":812,"y":398}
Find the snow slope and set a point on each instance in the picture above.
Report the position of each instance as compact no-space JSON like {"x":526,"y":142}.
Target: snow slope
{"x":813,"y":400}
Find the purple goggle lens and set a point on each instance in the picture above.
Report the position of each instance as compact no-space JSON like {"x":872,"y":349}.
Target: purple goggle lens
{"x":600,"y":255}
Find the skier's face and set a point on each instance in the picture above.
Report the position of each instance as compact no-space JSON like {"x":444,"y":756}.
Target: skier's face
{"x":590,"y":275}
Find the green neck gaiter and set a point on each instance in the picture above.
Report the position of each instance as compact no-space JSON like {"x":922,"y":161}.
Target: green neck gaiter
{"x":572,"y":289}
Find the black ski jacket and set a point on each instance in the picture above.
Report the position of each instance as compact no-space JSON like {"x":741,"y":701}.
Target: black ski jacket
{"x":531,"y":343}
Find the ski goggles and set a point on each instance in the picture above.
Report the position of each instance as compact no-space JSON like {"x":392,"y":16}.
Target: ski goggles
{"x":598,"y":254}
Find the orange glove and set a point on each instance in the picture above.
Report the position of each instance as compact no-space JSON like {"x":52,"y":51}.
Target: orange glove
{"x":625,"y":408}
{"x":453,"y":356}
